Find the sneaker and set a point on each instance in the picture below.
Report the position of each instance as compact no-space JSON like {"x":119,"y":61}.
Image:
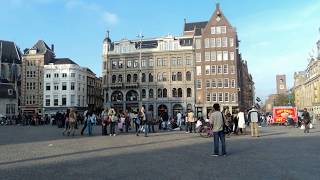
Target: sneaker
{"x":214,"y":155}
{"x":114,"y":134}
{"x":110,"y":135}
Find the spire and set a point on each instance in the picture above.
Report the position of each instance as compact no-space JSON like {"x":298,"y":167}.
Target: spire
{"x":218,"y":6}
{"x":108,"y":33}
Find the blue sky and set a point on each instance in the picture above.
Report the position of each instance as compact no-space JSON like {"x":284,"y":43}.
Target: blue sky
{"x":276,"y":36}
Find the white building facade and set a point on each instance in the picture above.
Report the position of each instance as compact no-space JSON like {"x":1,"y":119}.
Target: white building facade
{"x":65,"y":86}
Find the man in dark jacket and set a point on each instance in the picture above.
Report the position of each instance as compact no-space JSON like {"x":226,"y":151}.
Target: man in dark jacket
{"x":306,"y":120}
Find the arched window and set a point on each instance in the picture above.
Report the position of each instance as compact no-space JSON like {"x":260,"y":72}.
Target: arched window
{"x":189,"y":92}
{"x":132,"y":96}
{"x":129,"y":78}
{"x":151,"y":93}
{"x":179,"y":92}
{"x":143,"y":93}
{"x":174,"y":76}
{"x":120,"y":78}
{"x":117,"y":96}
{"x":114,"y":78}
{"x":143,"y":78}
{"x":174,"y":92}
{"x":188,"y":76}
{"x":179,"y":76}
{"x":164,"y":93}
{"x":135,"y":77}
{"x":150,"y":77}
{"x":159,"y":93}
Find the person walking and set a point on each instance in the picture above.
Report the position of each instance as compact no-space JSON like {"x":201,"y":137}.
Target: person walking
{"x":142,"y":117}
{"x":91,"y":119}
{"x":113,"y":117}
{"x":105,"y":122}
{"x":191,"y":120}
{"x":72,"y":122}
{"x":242,"y":121}
{"x":217,"y":120}
{"x":85,"y":113}
{"x":127,"y":121}
{"x":253,"y":118}
{"x":165,"y":119}
{"x":306,"y":120}
{"x":179,"y":120}
{"x":66,"y":121}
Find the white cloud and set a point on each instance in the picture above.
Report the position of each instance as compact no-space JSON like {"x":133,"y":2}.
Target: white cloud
{"x":106,"y":16}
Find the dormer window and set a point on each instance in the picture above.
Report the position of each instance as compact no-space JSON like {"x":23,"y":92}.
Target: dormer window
{"x":10,"y":92}
{"x":33,"y":51}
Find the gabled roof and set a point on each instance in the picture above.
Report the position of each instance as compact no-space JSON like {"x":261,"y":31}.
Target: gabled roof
{"x":195,"y":25}
{"x":41,"y":47}
{"x":4,"y":91}
{"x":9,"y":52}
{"x":62,"y":61}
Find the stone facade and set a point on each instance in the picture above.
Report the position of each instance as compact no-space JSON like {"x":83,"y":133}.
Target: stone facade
{"x":94,"y":91}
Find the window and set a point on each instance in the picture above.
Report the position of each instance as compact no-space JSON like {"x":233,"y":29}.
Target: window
{"x":199,"y":84}
{"x":207,"y":67}
{"x":199,"y":71}
{"x":159,"y":62}
{"x":233,"y":83}
{"x":218,"y":30}
{"x":208,"y":97}
{"x":174,"y":92}
{"x":226,"y":83}
{"x":79,"y":87}
{"x":64,"y":86}
{"x":64,"y":75}
{"x":135,"y":63}
{"x":220,"y":97}
{"x":129,"y":64}
{"x":28,"y":74}
{"x":79,"y":76}
{"x":225,"y":69}
{"x":64,"y":100}
{"x":129,"y":78}
{"x":232,"y":56}
{"x":120,"y":64}
{"x":151,"y":93}
{"x":179,"y":61}
{"x":179,"y":76}
{"x":188,"y":60}
{"x":213,"y":30}
{"x":120,"y":78}
{"x":198,"y":57}
{"x":219,"y":69}
{"x":180,"y":92}
{"x":233,"y":97}
{"x":207,"y":43}
{"x":231,"y":42}
{"x":56,"y":75}
{"x":226,"y":97}
{"x":72,"y":99}
{"x":188,"y":76}
{"x":143,"y":93}
{"x":114,"y":78}
{"x":213,"y":83}
{"x":48,"y":86}
{"x":219,"y":55}
{"x":56,"y":86}
{"x":224,"y":42}
{"x":114,"y":64}
{"x":73,"y":75}
{"x":219,"y":83}
{"x":232,"y":69}
{"x":198,"y":43}
{"x":223,"y":29}
{"x":208,"y":84}
{"x":151,"y":62}
{"x":72,"y":85}
{"x":207,"y":56}
{"x":174,"y":76}
{"x":143,"y":77}
{"x":213,"y":69}
{"x":164,"y":76}
{"x":213,"y":56}
{"x":173,"y":61}
{"x":164,"y":93}
{"x":218,"y":42}
{"x":213,"y":42}
{"x":48,"y":75}
{"x":47,"y":100}
{"x":143,"y":63}
{"x":150,"y":77}
{"x":135,"y":77}
{"x":55,"y":100}
{"x":214,"y":97}
{"x":160,"y":77}
{"x":225,"y":55}
{"x":159,"y":93}
{"x":189,"y":92}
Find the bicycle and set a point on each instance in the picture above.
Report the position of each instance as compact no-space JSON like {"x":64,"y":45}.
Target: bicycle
{"x":206,"y":131}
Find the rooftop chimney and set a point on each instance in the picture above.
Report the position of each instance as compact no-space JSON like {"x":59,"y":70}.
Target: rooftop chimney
{"x":52,"y":47}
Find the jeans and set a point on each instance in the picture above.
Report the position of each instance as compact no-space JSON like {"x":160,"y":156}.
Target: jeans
{"x":89,"y":125}
{"x":187,"y":126}
{"x":150,"y":127}
{"x":113,"y":128}
{"x":145,"y":129}
{"x":127,"y":124}
{"x":192,"y":127}
{"x":104,"y":129}
{"x":84,"y":127}
{"x":216,"y":136}
{"x":179,"y":123}
{"x":137,"y":127}
{"x":254,"y":129}
{"x":307,"y":127}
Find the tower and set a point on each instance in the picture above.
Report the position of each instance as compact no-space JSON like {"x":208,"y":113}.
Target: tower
{"x":281,"y":84}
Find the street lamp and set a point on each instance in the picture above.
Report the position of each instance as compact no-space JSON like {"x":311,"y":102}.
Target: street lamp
{"x":139,"y":86}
